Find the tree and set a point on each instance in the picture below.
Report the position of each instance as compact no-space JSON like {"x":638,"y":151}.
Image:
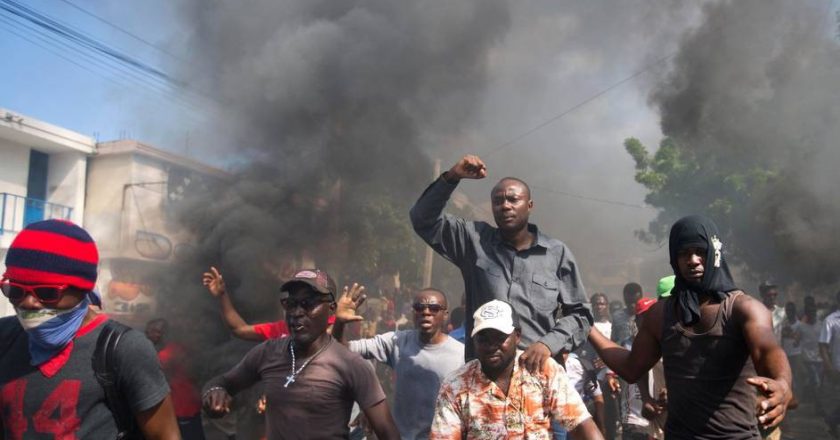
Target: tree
{"x":681,"y":182}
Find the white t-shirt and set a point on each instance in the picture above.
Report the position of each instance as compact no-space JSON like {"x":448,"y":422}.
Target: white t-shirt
{"x":778,"y":314}
{"x":830,"y":334}
{"x":810,"y":334}
{"x":632,"y":400}
{"x":576,"y":373}
{"x":789,"y":344}
{"x":605,"y":327}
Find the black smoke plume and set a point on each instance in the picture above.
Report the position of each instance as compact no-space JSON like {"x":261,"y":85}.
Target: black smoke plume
{"x":757,"y":87}
{"x":331,"y":107}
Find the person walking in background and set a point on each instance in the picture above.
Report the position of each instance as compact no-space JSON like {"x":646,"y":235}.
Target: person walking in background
{"x":456,"y":321}
{"x":584,"y":379}
{"x":769,"y":292}
{"x":809,"y":329}
{"x":829,"y":341}
{"x":792,"y":345}
{"x":603,"y":322}
{"x":175,"y":363}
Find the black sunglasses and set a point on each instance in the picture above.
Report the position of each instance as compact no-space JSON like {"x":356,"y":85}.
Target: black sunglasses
{"x":434,"y":308}
{"x":306,"y":304}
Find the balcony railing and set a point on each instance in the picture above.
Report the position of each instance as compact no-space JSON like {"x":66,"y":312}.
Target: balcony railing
{"x":16,"y":212}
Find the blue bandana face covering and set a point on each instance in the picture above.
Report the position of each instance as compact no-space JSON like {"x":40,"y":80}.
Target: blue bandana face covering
{"x":50,"y":330}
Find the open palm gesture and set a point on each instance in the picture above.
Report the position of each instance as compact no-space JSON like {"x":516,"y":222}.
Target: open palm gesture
{"x":349,"y":302}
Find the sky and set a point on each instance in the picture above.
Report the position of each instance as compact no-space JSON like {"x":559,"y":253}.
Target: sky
{"x":92,"y":99}
{"x":554,"y":56}
{"x":570,"y":58}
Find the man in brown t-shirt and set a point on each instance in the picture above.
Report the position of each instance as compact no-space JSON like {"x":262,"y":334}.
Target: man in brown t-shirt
{"x":310,"y":380}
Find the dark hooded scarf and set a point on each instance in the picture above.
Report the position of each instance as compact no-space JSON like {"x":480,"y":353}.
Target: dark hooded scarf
{"x":699,"y":232}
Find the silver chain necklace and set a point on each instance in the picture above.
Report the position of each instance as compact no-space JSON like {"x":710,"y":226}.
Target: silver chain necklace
{"x":291,"y":377}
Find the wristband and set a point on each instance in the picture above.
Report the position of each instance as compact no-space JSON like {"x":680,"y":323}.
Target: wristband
{"x":210,"y":390}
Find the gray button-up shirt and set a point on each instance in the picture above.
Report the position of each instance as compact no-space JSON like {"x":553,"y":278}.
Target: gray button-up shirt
{"x":536,"y":281}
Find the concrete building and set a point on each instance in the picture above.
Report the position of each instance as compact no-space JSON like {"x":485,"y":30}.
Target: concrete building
{"x":42,"y":176}
{"x":133,"y":189}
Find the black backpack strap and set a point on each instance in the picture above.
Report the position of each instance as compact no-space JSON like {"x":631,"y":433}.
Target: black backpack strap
{"x":104,"y":367}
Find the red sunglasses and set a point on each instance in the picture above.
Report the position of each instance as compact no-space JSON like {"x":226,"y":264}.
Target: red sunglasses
{"x":45,"y":293}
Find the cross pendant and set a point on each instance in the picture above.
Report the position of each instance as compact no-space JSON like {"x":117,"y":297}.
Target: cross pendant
{"x":289,"y":379}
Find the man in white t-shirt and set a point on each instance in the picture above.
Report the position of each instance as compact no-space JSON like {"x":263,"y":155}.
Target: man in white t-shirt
{"x":792,"y":344}
{"x":809,"y":329}
{"x":769,"y":292}
{"x":583,"y":378}
{"x":830,"y":352}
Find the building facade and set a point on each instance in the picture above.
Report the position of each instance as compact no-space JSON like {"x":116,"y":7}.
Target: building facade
{"x":42,"y":176}
{"x":133,"y":191}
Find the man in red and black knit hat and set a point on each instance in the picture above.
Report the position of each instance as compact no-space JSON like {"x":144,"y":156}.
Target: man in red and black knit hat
{"x":47,"y":382}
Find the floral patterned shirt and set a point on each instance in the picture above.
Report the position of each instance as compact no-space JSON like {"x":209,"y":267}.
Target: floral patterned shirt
{"x":471,"y":406}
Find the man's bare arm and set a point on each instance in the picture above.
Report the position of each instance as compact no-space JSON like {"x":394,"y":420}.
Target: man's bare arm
{"x":825,"y":354}
{"x":600,"y":419}
{"x":379,"y":417}
{"x":769,"y":359}
{"x":158,"y":422}
{"x":646,"y":351}
{"x":586,"y":431}
{"x":216,"y":286}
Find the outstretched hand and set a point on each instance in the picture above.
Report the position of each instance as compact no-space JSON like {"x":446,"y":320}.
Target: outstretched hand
{"x":214,"y":282}
{"x":349,"y":302}
{"x":469,"y":167}
{"x":773,"y":400}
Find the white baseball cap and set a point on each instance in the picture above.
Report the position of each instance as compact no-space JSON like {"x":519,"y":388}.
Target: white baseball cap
{"x":495,"y":314}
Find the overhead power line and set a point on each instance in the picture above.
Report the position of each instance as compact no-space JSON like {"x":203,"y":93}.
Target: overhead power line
{"x":123,"y":30}
{"x":593,"y":199}
{"x":63,"y":40}
{"x":571,"y":109}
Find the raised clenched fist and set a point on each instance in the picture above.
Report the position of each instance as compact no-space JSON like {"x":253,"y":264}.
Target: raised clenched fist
{"x":469,"y":167}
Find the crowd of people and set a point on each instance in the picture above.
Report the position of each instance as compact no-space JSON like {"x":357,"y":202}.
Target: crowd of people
{"x":525,"y":356}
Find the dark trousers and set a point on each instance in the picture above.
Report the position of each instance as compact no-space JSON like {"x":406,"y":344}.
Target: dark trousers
{"x":190,"y":427}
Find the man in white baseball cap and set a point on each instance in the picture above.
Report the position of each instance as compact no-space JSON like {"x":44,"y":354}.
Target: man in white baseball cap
{"x":494,"y":397}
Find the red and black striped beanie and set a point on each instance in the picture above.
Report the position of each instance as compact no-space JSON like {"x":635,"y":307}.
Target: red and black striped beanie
{"x":53,"y":252}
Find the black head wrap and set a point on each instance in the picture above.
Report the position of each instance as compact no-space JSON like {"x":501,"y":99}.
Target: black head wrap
{"x":700,"y":232}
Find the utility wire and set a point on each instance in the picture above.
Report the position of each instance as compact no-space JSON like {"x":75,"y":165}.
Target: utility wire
{"x":124,"y":31}
{"x":99,"y":53}
{"x":76,"y":57}
{"x":593,"y":199}
{"x":82,"y":39}
{"x":571,"y":109}
{"x":66,"y":47}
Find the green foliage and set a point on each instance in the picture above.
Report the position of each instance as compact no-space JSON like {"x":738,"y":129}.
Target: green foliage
{"x":381,"y":240}
{"x":680,"y":183}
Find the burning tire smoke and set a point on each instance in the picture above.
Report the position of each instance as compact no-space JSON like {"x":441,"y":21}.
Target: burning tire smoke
{"x":754,"y":90}
{"x":332,"y":105}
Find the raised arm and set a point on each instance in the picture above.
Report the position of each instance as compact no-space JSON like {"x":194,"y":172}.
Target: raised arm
{"x":345,"y":312}
{"x":769,"y":359}
{"x":646,"y":351}
{"x":446,"y":234}
{"x":215,"y":284}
